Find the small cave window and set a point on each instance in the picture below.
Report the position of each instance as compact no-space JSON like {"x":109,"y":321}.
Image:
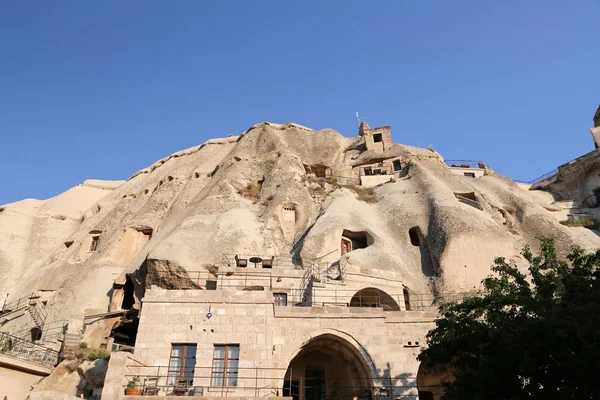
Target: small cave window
{"x":36,"y":333}
{"x":368,"y":171}
{"x":147,"y":233}
{"x":211,"y":285}
{"x":469,"y":174}
{"x":406,"y":295}
{"x":377,"y":138}
{"x":415,"y":236}
{"x":94,"y":243}
{"x":469,"y":199}
{"x":397,"y":165}
{"x":280,"y":299}
{"x":353,"y":241}
{"x":68,"y":243}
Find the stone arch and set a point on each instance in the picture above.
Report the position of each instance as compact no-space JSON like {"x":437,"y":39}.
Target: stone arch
{"x":331,"y":364}
{"x":430,"y":381}
{"x":589,"y":181}
{"x":373,"y":297}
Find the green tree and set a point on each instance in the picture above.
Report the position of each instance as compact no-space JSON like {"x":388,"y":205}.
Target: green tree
{"x":526,"y":336}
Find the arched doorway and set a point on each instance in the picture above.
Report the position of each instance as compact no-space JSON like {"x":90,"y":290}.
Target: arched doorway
{"x":372,"y":297}
{"x":328,"y":367}
{"x":430,"y":381}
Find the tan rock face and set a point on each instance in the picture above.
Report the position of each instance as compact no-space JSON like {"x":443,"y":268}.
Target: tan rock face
{"x":197,"y":207}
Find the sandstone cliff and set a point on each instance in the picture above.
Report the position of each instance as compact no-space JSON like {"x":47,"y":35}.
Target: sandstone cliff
{"x":227,"y":196}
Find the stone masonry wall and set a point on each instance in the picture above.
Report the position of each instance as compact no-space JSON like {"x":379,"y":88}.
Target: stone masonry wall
{"x":270,"y":337}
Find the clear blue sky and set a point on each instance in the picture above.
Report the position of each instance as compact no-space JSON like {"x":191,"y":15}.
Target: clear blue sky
{"x":102,"y":89}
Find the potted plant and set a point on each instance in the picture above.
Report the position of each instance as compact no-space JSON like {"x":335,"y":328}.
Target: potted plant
{"x":132,"y":388}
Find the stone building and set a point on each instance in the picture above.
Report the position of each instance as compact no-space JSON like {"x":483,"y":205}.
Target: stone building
{"x":376,"y":139}
{"x":326,"y":330}
{"x":577,"y":182}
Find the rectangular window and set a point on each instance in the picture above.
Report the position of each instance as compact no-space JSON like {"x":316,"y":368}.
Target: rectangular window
{"x":182,"y":364}
{"x":368,"y":171}
{"x":397,"y":165}
{"x":469,"y":174}
{"x":211,"y":285}
{"x":377,"y":138}
{"x":280,"y":299}
{"x":226,"y":358}
{"x":94,"y":244}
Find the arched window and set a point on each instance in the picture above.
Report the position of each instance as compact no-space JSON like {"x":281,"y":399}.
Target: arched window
{"x":415,"y":236}
{"x":372,"y":297}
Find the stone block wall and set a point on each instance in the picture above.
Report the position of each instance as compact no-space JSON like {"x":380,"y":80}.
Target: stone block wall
{"x":270,"y":337}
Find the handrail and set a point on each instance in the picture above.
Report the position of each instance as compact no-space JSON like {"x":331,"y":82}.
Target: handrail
{"x":465,"y":164}
{"x":17,"y":304}
{"x":14,"y":347}
{"x":541,"y":178}
{"x":368,"y":298}
{"x":159,"y":380}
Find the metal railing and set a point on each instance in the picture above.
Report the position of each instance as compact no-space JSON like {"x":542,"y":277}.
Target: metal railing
{"x":541,"y":178}
{"x":14,"y":347}
{"x":198,"y":381}
{"x":469,"y":202}
{"x":206,"y":280}
{"x":267,"y":382}
{"x":277,"y":261}
{"x":23,"y":302}
{"x":370,"y":298}
{"x":465,"y":164}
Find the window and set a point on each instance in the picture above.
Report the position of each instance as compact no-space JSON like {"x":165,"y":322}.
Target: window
{"x":346,"y":246}
{"x":94,"y":244}
{"x":280,"y":299}
{"x":211,"y":285}
{"x":425,"y":395}
{"x":377,"y":138}
{"x":226,"y":358}
{"x":397,"y":165}
{"x":470,"y":174}
{"x":368,"y":171}
{"x":414,"y":234}
{"x":182,"y":364}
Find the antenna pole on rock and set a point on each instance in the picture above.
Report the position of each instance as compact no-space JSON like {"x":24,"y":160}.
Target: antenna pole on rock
{"x":360,"y":119}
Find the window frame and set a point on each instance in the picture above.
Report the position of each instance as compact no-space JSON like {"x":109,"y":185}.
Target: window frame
{"x":396,"y":163}
{"x":182,"y":370}
{"x":226,"y":372}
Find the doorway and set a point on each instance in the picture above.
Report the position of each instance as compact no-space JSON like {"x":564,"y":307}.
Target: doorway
{"x":314,"y":385}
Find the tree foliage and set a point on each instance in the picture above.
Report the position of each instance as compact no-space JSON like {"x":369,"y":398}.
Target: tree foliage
{"x":526,"y":336}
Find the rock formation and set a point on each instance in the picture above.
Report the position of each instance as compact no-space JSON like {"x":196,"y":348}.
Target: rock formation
{"x":258,"y":193}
